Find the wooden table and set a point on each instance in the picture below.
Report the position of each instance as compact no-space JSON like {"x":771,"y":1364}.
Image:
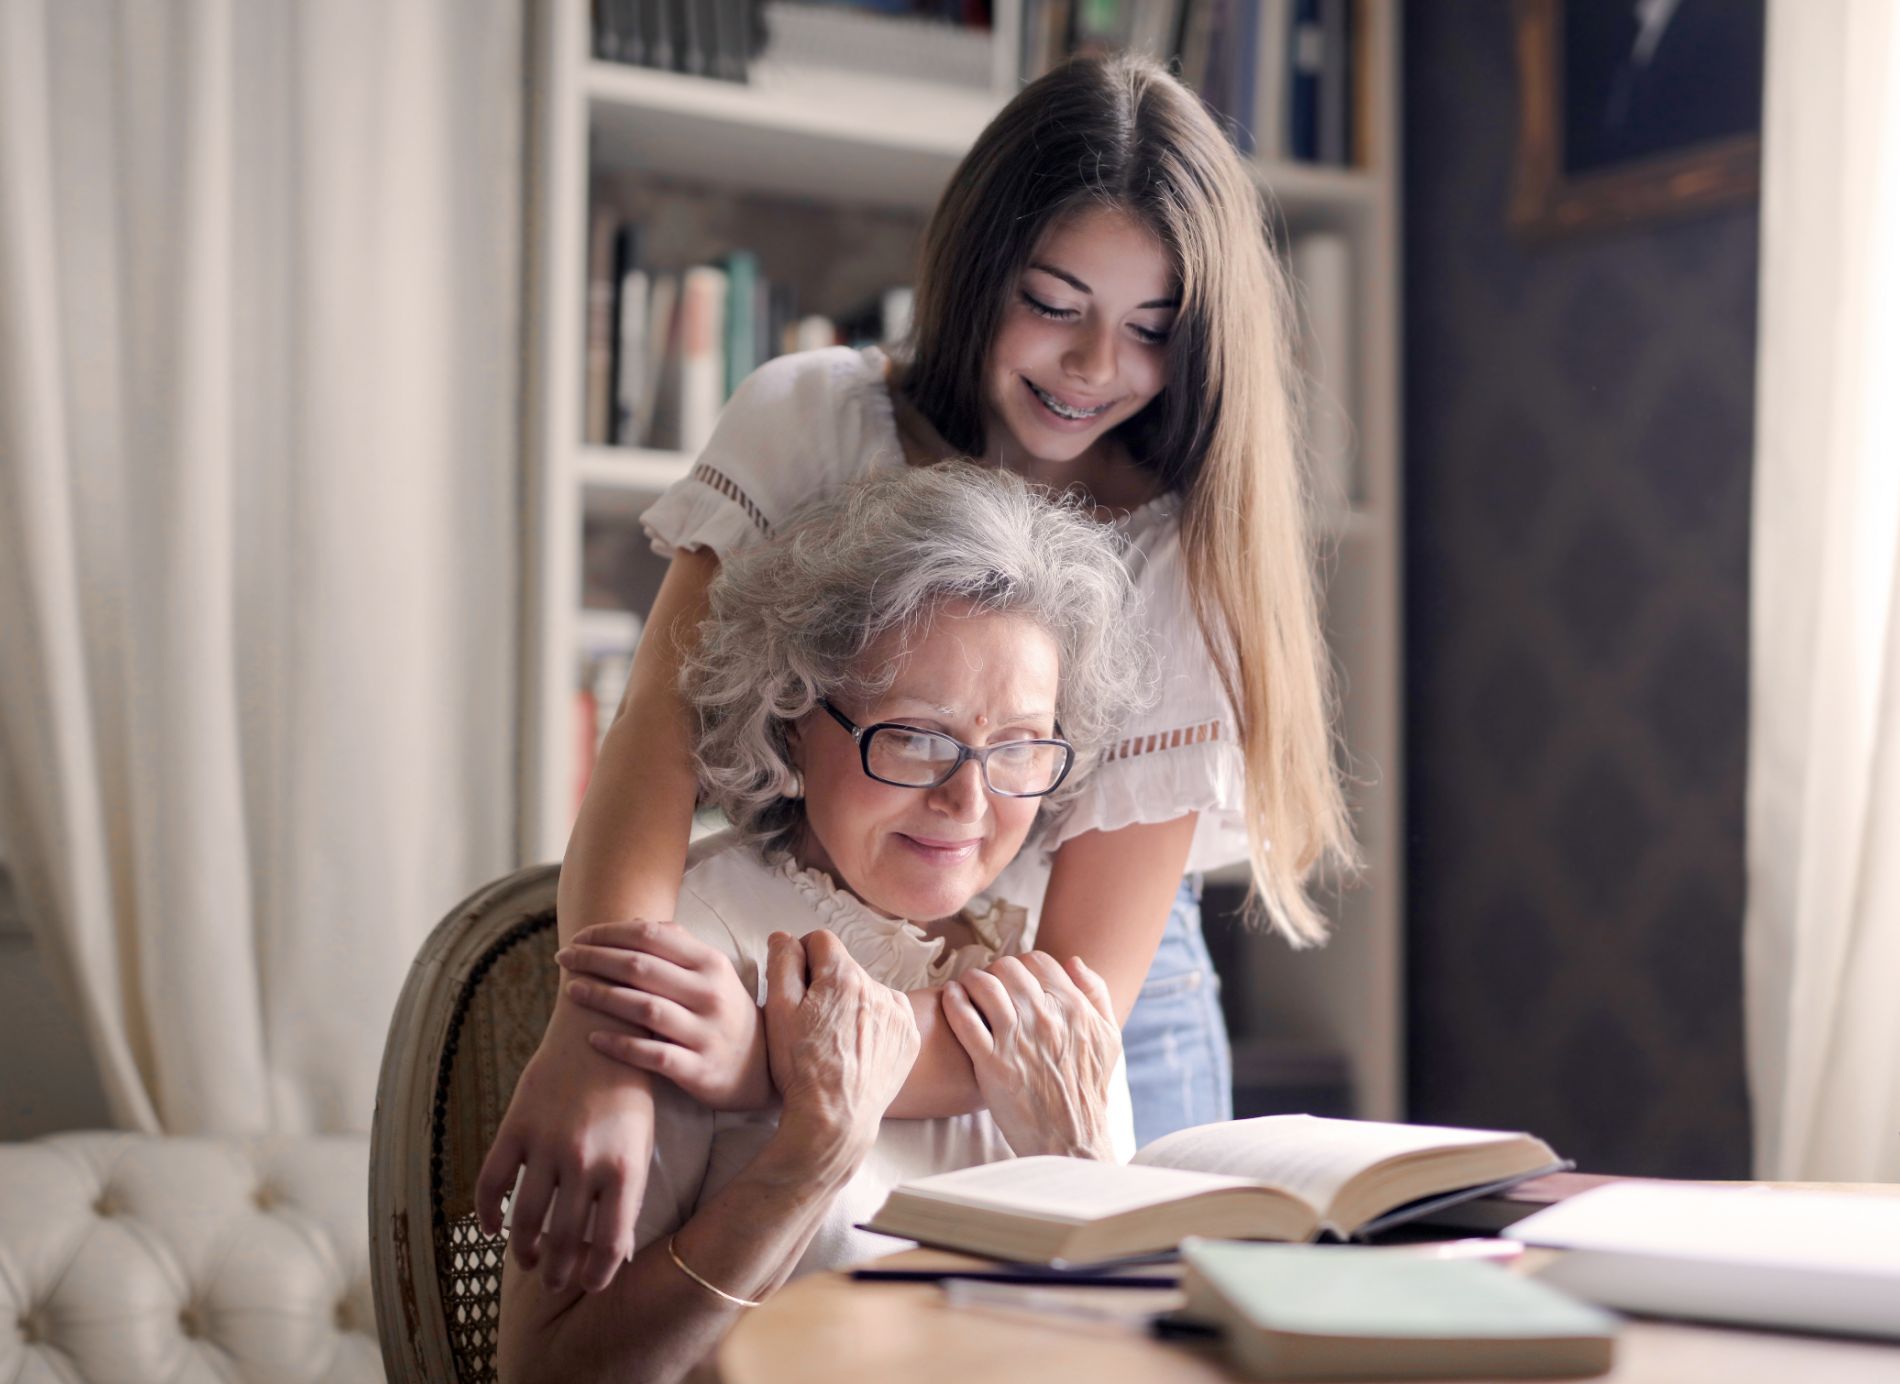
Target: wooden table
{"x":827,"y":1329}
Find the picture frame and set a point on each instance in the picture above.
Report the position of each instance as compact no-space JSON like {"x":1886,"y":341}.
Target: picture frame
{"x":1622,"y":124}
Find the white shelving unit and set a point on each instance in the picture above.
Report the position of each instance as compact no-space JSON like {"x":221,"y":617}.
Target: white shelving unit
{"x":850,"y":140}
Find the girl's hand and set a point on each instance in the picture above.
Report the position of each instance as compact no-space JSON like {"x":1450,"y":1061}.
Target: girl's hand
{"x":1043,"y":1042}
{"x":706,"y":1035}
{"x":579,"y":1131}
{"x":841,"y":1045}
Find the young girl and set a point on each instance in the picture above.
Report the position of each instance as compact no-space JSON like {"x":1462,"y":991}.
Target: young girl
{"x":1098,"y":311}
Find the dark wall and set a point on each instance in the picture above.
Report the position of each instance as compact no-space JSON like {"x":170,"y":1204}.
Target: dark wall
{"x":1578,"y":426}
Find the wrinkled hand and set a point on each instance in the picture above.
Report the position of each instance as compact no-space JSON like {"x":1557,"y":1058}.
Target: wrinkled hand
{"x":706,"y":1033}
{"x":840,"y":1043}
{"x":580,"y":1130}
{"x":1043,"y":1042}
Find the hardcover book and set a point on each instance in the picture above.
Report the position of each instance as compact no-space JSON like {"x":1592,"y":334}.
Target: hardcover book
{"x":1279,"y":1177}
{"x":1306,"y":1312}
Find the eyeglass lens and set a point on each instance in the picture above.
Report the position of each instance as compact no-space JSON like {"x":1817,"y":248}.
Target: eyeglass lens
{"x":921,"y":759}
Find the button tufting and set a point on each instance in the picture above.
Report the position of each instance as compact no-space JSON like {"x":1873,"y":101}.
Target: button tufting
{"x":103,"y":1205}
{"x":264,"y":1198}
{"x":30,"y":1328}
{"x":345,"y":1319}
{"x":190,"y":1322}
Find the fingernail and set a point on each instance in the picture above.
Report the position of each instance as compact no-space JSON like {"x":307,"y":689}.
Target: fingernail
{"x":563,"y":956}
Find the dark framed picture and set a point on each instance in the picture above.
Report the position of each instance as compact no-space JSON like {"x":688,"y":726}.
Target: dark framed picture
{"x":1634,"y":112}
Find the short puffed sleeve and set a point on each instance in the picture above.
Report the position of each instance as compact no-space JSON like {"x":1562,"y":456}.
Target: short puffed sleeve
{"x":797,"y":427}
{"x":1182,"y":754}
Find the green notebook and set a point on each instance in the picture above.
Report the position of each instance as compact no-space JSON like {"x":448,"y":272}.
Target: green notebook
{"x":1323,"y":1312}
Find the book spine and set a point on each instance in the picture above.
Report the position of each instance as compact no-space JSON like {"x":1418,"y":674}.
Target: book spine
{"x":690,"y":21}
{"x":702,"y":355}
{"x":629,"y":321}
{"x":1270,"y":79}
{"x":1361,"y":78}
{"x":1197,"y":35}
{"x":1306,"y":59}
{"x":597,"y":418}
{"x":1243,"y":57}
{"x":661,"y":37}
{"x":1322,"y":267}
{"x":1334,"y":99}
{"x":742,"y":278}
{"x":814,"y":333}
{"x":895,"y":308}
{"x":661,"y":343}
{"x":630,"y":366}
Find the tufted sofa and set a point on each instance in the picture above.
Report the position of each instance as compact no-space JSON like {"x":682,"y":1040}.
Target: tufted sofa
{"x":144,"y":1260}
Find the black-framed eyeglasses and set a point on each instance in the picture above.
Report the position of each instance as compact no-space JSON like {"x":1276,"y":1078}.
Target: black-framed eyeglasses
{"x":909,"y":757}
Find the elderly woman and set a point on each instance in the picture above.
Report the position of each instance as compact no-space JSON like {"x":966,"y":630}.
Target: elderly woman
{"x":889,"y":693}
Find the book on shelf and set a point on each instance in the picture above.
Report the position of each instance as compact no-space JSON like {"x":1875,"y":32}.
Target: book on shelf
{"x":1315,"y":1312}
{"x":1321,"y":264}
{"x":1799,"y":1259}
{"x":1278,"y":1177}
{"x":742,"y":305}
{"x":1270,"y":78}
{"x":702,"y":355}
{"x":1335,"y":83}
{"x":1306,"y":65}
{"x":602,"y":290}
{"x":631,"y":333}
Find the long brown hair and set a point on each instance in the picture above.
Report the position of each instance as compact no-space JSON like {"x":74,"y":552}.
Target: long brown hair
{"x":1223,"y":433}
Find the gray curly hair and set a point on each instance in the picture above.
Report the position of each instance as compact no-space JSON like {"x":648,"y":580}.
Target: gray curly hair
{"x":792,"y":619}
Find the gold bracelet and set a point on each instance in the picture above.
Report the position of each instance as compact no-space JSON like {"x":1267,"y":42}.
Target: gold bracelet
{"x":712,"y":1288}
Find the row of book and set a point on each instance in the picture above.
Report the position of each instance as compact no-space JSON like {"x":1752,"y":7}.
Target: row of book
{"x":703,"y":38}
{"x":1286,"y":77}
{"x":665,"y":348}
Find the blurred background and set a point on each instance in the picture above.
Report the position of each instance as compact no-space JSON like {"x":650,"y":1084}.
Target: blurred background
{"x":343,"y":345}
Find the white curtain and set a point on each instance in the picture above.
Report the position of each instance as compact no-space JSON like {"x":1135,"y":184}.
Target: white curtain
{"x":258,"y":370}
{"x":1823,"y":928}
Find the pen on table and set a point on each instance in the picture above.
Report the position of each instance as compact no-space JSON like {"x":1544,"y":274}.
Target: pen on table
{"x":1054,"y":1277}
{"x":1050,"y":1302}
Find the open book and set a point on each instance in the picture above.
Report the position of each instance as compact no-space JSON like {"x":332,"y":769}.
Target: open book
{"x":1280,"y":1177}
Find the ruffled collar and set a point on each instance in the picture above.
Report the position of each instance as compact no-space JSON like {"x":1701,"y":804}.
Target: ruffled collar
{"x":895,"y":950}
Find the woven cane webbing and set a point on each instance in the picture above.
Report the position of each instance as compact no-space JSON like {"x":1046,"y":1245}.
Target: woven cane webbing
{"x":498,"y":1022}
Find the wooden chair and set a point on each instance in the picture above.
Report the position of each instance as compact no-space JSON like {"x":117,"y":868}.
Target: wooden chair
{"x":471,"y":1014}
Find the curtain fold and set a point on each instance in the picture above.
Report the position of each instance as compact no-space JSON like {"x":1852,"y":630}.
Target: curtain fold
{"x":1822,"y":937}
{"x":259,"y":301}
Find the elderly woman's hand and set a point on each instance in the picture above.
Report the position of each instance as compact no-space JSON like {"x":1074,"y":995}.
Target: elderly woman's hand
{"x":840,"y":1044}
{"x":1043,"y":1042}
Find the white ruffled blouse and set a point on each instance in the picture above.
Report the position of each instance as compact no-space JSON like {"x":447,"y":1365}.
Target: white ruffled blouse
{"x":803,"y":425}
{"x":733,"y":900}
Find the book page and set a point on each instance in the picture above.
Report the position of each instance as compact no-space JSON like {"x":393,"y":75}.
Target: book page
{"x":1072,"y":1190}
{"x":1302,"y":1154}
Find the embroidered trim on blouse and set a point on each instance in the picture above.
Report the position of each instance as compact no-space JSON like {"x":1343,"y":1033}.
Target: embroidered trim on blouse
{"x":1166,"y":740}
{"x":725,"y":485}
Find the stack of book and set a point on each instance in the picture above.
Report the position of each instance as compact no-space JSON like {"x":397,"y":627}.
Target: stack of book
{"x":666,"y":348}
{"x":1285,"y":77}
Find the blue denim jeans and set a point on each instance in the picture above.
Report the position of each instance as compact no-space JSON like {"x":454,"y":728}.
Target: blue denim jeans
{"x":1180,"y":1068}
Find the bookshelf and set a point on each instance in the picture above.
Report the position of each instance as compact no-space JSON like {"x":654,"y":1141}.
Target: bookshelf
{"x":847,"y":140}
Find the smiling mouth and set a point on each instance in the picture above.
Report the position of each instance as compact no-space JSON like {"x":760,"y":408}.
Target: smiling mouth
{"x":942,"y":850}
{"x":1062,"y":410}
